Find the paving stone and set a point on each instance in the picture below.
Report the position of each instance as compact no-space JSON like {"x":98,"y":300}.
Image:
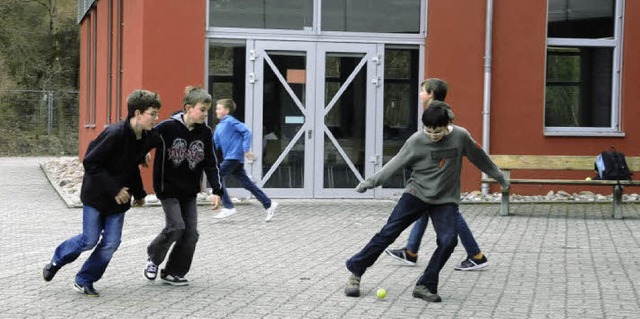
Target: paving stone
{"x":547,"y":261}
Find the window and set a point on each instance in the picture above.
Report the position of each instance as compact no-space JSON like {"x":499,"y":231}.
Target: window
{"x":400,"y":119}
{"x":227,"y":75}
{"x":371,"y":16}
{"x":281,"y":14}
{"x":319,"y":15}
{"x":583,"y":57}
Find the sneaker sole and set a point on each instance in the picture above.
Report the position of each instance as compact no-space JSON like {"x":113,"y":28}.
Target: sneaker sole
{"x":476,"y":267}
{"x":164,"y":281}
{"x":80,"y":290}
{"x":428,"y":298}
{"x":408,"y":262}
{"x":225,"y":216}
{"x":352,"y":293}
{"x":144,"y":275}
{"x":268,"y":218}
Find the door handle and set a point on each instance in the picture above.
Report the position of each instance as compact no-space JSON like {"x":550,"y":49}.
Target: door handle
{"x":309,"y":134}
{"x":376,"y":81}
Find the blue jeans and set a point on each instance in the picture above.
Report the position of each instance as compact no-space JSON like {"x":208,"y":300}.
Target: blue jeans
{"x":94,"y":224}
{"x":408,"y":210}
{"x":466,"y":237}
{"x":234,"y":168}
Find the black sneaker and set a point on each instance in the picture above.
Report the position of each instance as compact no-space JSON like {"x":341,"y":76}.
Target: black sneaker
{"x":472,"y":264}
{"x":402,"y":255}
{"x":49,"y":271}
{"x":421,"y":291}
{"x":151,"y":271}
{"x":173,"y":280}
{"x":88,"y":290}
{"x":352,"y":289}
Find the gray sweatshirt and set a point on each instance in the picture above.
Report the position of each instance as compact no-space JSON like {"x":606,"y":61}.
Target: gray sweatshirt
{"x":436,"y":166}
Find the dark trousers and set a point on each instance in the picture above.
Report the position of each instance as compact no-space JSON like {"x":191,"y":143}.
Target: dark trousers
{"x":181,"y":227}
{"x":407,"y":211}
{"x":235,"y":168}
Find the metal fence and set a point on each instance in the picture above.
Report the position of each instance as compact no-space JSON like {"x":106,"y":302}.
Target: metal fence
{"x":38,"y":122}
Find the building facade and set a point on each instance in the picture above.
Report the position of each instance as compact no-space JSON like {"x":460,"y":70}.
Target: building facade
{"x":330,"y":88}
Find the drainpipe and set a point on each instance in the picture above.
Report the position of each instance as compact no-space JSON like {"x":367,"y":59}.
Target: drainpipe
{"x":486,"y":100}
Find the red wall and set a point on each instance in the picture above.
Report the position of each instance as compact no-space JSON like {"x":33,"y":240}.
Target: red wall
{"x":631,"y":78}
{"x":455,"y":53}
{"x":163,"y":51}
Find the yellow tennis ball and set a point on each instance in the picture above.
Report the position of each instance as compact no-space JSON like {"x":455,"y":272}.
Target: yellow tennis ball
{"x":381,"y":293}
{"x":588,"y":178}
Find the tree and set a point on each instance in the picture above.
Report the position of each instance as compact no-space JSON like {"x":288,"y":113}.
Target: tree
{"x":39,"y":51}
{"x":39,"y":43}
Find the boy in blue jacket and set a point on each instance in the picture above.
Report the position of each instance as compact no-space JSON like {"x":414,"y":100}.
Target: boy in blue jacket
{"x":111,"y":178}
{"x":183,"y":152}
{"x":234,"y":139}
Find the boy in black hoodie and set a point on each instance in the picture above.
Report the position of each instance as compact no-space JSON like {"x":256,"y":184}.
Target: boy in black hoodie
{"x":183,"y":151}
{"x":111,"y":177}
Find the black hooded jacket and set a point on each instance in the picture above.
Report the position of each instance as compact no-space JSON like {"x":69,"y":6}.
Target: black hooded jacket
{"x":111,"y":163}
{"x":181,"y":157}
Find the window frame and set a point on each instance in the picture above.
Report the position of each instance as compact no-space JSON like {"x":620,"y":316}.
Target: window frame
{"x":615,"y":129}
{"x":315,"y":33}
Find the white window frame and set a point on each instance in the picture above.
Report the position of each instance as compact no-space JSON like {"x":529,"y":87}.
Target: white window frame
{"x":615,"y":130}
{"x":316,"y":34}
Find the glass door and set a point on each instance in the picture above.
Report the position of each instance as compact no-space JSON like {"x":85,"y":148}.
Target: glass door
{"x":348,"y":83}
{"x":313,"y":117}
{"x":282,"y":82}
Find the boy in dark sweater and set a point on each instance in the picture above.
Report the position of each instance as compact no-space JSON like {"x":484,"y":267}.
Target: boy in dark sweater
{"x":183,"y":151}
{"x":111,"y":178}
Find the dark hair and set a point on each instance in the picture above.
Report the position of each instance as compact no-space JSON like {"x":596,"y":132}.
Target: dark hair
{"x":437,"y":114}
{"x":141,"y":100}
{"x":194,"y":95}
{"x":228,"y":104}
{"x":437,"y":86}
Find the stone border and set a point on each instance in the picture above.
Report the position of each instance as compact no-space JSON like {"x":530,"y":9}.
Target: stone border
{"x":474,"y":197}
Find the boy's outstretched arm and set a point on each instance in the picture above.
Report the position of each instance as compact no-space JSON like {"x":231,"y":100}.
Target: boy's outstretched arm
{"x":481,"y":160}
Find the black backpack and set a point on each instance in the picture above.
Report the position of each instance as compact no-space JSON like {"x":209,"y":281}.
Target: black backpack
{"x":612,"y":165}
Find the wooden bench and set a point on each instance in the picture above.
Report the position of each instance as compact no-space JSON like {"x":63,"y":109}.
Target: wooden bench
{"x":507,"y":163}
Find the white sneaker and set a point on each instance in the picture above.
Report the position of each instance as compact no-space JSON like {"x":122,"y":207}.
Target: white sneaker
{"x":270,"y":211}
{"x":151,"y":271}
{"x":225,"y":212}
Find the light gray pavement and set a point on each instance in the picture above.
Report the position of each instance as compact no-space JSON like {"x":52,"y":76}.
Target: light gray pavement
{"x":547,"y":261}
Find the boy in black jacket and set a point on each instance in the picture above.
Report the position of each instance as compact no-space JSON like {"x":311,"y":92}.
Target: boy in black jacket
{"x":111,"y":177}
{"x":183,"y":150}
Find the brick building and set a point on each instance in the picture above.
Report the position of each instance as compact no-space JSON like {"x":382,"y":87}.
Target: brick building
{"x":330,"y":88}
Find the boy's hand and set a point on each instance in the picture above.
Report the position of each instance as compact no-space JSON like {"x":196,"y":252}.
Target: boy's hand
{"x":147,"y":160}
{"x":250,"y":157}
{"x":138,"y":202}
{"x":505,"y":188}
{"x":123,"y":196}
{"x":361,"y":188}
{"x":215,"y":202}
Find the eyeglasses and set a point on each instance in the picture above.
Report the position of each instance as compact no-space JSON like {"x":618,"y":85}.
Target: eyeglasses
{"x":437,"y":132}
{"x":153,"y":113}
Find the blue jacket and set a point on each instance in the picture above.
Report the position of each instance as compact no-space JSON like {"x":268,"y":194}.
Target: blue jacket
{"x":233,"y":138}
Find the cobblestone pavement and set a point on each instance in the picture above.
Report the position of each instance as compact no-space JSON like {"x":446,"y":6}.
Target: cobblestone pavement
{"x":547,"y":261}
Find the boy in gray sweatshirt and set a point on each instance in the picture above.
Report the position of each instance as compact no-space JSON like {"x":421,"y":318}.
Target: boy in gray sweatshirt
{"x":434,"y":156}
